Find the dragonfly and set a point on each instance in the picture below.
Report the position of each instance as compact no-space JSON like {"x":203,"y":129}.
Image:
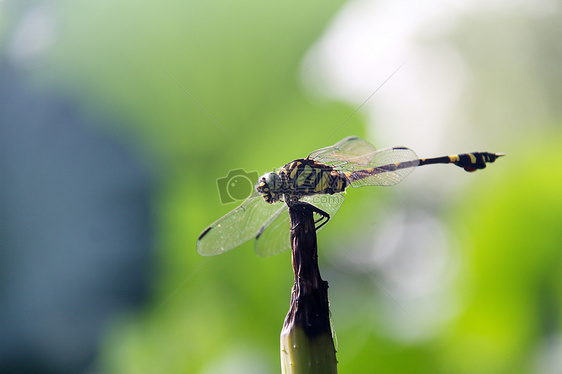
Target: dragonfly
{"x":318,"y":182}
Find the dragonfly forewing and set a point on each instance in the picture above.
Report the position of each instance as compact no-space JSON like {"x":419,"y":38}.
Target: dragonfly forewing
{"x":348,"y":151}
{"x":237,"y":227}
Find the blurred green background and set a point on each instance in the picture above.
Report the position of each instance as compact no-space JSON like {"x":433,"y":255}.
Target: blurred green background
{"x":446,"y":272}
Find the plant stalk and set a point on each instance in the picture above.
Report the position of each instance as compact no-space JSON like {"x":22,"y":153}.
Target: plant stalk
{"x":307,"y":345}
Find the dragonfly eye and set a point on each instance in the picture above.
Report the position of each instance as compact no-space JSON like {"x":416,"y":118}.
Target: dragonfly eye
{"x":273,"y":180}
{"x":268,"y":185}
{"x":269,"y":182}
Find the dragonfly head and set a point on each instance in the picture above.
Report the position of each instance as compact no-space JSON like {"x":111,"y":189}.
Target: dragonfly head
{"x":268,"y":186}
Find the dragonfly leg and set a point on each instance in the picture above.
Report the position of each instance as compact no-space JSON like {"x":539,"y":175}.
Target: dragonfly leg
{"x":324,"y":217}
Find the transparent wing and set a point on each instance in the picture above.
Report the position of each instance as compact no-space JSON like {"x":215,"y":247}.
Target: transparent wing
{"x":238,"y":226}
{"x":328,"y":203}
{"x":363,"y":165}
{"x":388,"y":167}
{"x":351,"y":151}
{"x":276,"y":236}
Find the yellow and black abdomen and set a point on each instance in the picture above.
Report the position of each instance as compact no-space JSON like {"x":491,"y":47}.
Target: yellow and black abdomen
{"x":305,"y":177}
{"x":468,"y":161}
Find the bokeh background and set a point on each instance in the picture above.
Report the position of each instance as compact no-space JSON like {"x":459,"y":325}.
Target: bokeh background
{"x":118,"y":117}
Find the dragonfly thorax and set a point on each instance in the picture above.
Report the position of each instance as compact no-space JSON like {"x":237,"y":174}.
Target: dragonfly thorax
{"x":300,"y":178}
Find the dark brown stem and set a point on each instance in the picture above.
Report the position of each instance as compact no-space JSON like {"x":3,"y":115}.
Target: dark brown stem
{"x":309,"y":300}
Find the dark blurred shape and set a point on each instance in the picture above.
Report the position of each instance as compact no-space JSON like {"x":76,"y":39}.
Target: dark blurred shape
{"x":75,"y":231}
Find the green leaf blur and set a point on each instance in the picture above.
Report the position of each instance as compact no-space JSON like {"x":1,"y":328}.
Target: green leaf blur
{"x":208,"y":87}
